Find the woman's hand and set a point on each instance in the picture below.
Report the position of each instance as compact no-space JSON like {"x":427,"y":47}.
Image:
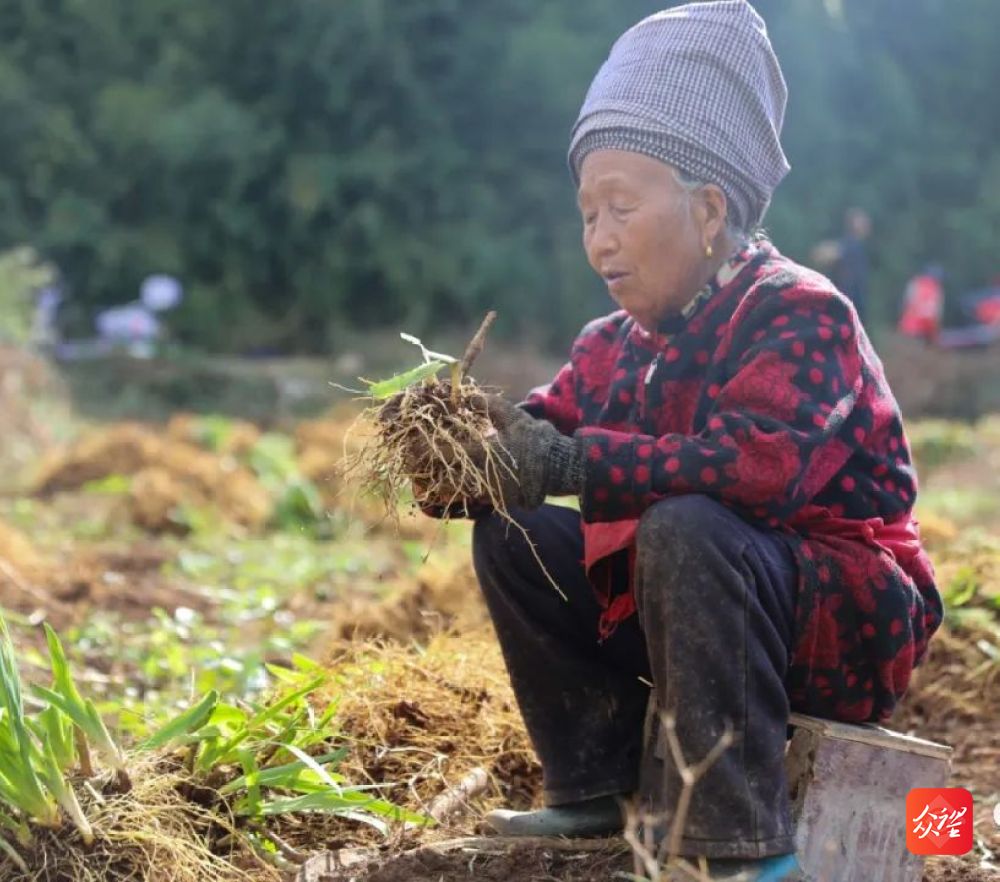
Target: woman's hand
{"x":536,"y":460}
{"x":528,"y":459}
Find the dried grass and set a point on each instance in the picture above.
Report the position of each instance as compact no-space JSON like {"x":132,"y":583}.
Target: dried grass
{"x":443,"y":597}
{"x":20,"y":553}
{"x":166,"y":473}
{"x":238,"y":439}
{"x":151,"y":834}
{"x":422,"y":719}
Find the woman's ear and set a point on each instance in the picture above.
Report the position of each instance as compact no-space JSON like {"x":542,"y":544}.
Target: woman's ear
{"x":714,"y":209}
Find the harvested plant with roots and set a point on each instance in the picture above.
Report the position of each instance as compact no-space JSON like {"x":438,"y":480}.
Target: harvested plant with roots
{"x":434,"y":436}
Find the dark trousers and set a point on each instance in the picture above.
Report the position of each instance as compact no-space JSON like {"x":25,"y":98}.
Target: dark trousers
{"x":713,"y":635}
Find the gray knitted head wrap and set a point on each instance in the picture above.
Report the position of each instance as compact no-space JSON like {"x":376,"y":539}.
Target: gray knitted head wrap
{"x":698,"y":87}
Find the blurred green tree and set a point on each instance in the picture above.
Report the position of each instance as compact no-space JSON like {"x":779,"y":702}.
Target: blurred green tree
{"x":313,"y":166}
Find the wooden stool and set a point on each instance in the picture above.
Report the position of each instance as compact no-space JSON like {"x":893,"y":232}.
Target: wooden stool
{"x":848,"y":787}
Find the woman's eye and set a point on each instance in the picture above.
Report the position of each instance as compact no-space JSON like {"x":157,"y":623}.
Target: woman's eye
{"x":621,"y":211}
{"x":589,"y":218}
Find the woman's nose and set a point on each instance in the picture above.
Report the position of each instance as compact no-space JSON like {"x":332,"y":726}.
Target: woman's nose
{"x":603,"y":239}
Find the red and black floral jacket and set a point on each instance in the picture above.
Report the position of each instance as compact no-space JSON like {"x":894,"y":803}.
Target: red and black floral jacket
{"x":767,"y":396}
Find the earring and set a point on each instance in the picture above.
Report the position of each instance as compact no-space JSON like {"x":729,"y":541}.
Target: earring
{"x":708,"y":251}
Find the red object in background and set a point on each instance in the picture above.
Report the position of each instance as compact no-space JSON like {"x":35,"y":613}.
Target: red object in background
{"x":939,"y":820}
{"x":922,"y":308}
{"x":988,"y":310}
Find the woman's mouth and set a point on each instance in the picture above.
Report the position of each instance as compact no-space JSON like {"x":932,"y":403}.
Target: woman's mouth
{"x":614,"y":279}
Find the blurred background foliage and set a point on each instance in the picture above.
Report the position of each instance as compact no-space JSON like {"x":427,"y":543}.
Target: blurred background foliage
{"x":312,"y":167}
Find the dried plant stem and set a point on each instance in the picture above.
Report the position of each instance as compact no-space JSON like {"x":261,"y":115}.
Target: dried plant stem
{"x":476,"y":345}
{"x":288,"y":852}
{"x":455,"y":799}
{"x":83,"y":753}
{"x":690,"y":775}
{"x":650,"y":858}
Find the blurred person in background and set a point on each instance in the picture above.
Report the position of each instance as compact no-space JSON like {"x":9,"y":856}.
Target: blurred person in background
{"x":923,"y":305}
{"x":137,"y":326}
{"x":745,"y":543}
{"x":850,"y":270}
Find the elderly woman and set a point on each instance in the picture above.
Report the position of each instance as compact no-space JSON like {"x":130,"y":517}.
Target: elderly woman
{"x":745,"y":544}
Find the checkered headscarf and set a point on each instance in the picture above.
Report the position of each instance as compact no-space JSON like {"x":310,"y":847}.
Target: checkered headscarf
{"x":698,"y":87}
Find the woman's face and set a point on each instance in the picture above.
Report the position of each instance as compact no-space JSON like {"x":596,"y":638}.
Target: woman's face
{"x":645,"y":234}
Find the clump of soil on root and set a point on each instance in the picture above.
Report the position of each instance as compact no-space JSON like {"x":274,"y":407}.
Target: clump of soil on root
{"x":435,"y":439}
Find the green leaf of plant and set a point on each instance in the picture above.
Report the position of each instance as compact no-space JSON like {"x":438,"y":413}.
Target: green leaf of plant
{"x":387,"y":388}
{"x":281,"y":776}
{"x":86,"y":717}
{"x":63,"y":792}
{"x":251,"y":778}
{"x":188,"y":722}
{"x":60,"y":667}
{"x":962,"y":588}
{"x":54,"y":728}
{"x":20,"y":785}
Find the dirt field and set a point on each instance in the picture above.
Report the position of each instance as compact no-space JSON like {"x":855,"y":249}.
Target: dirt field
{"x":169,"y":558}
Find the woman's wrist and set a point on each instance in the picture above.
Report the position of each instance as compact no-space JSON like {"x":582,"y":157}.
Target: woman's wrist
{"x":564,"y":466}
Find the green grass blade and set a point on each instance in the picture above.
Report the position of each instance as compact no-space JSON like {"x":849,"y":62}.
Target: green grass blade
{"x":11,"y":852}
{"x":357,"y":806}
{"x":324,"y":801}
{"x":16,"y":826}
{"x":27,"y":796}
{"x":225,"y":752}
{"x":315,"y":766}
{"x":73,"y":704}
{"x":188,"y":722}
{"x":282,"y":776}
{"x":63,"y":792}
{"x":52,"y":727}
{"x":251,"y":776}
{"x":86,"y":717}
{"x":63,"y":679}
{"x":102,"y":739}
{"x":273,"y":710}
{"x":19,"y":785}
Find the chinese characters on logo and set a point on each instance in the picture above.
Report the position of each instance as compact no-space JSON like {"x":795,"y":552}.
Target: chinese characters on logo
{"x":939,"y":820}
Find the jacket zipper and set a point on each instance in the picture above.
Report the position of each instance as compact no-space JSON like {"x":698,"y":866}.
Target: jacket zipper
{"x":650,"y":371}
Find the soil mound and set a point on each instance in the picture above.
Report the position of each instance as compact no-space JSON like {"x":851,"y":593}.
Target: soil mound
{"x":166,"y":473}
{"x":423,"y":720}
{"x":444,"y":597}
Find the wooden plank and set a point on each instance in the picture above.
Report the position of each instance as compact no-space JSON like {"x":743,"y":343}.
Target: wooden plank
{"x":870,"y":734}
{"x":848,"y":804}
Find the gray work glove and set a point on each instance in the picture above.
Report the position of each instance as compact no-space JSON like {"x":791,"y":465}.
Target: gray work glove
{"x":541,"y":460}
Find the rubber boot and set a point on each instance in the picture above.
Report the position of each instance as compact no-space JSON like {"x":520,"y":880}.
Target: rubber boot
{"x":592,"y":817}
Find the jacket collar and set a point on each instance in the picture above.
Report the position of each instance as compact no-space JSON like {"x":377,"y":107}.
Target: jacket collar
{"x":727,"y":273}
